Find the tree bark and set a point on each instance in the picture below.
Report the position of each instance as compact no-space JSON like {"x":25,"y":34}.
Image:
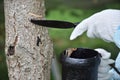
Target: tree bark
{"x":28,"y":47}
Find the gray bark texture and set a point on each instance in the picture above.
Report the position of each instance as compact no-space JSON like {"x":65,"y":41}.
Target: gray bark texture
{"x":28,"y":47}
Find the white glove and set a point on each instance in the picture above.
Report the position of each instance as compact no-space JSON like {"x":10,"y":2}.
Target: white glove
{"x":104,"y":68}
{"x":102,"y":25}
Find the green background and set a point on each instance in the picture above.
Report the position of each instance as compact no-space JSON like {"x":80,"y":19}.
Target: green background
{"x":67,"y":10}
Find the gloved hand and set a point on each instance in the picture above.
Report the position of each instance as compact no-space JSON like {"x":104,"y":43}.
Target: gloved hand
{"x":104,"y":68}
{"x":102,"y":25}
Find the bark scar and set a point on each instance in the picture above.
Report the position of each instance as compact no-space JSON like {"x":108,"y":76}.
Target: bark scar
{"x":15,"y":42}
{"x":11,"y":48}
{"x":38,"y":41}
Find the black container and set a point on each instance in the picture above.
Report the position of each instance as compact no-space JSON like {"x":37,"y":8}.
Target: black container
{"x":82,"y":64}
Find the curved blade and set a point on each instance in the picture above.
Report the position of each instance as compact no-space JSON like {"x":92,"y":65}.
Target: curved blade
{"x":54,"y":23}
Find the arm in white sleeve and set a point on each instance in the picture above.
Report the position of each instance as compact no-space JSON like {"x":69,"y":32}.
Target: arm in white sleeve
{"x":116,"y":76}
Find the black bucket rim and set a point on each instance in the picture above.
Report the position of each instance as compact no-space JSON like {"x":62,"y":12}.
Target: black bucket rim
{"x":71,"y":60}
{"x":80,"y":61}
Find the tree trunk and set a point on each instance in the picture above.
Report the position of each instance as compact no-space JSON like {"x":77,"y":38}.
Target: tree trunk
{"x":28,"y":47}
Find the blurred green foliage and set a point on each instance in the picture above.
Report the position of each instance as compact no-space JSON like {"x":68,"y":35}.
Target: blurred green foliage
{"x":3,"y":67}
{"x":60,"y":37}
